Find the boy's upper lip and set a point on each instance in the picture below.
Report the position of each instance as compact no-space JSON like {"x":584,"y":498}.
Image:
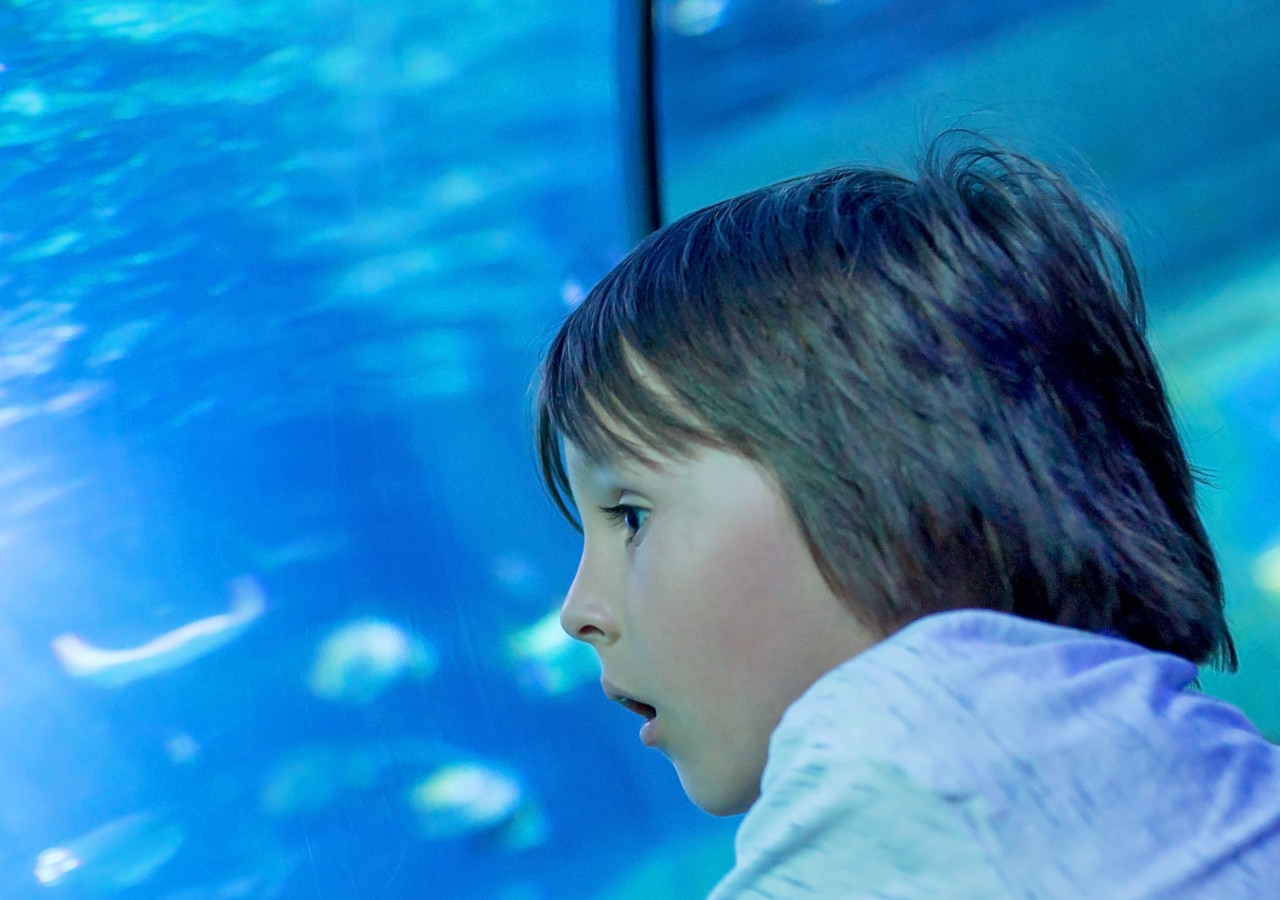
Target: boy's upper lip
{"x":612,"y":691}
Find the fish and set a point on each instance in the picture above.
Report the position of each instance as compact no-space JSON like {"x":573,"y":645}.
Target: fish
{"x":362,"y":658}
{"x":474,"y":799}
{"x":115,"y":856}
{"x":309,"y":548}
{"x":1266,"y":572}
{"x":447,"y":792}
{"x":547,"y":661}
{"x":171,"y":650}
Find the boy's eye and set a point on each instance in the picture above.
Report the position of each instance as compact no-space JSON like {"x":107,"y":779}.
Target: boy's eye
{"x":626,"y":515}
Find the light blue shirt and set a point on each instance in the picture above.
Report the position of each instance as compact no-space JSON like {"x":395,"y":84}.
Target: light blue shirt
{"x":976,"y":755}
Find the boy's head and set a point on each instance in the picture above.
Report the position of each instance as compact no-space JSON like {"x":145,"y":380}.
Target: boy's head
{"x":945,"y":376}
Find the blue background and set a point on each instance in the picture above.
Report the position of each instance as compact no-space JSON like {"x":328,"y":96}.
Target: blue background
{"x":274,"y":278}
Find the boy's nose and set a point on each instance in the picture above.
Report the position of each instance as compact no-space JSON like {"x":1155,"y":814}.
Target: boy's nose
{"x":584,"y":616}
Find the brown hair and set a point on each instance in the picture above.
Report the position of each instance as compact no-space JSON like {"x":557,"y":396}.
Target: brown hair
{"x":947,"y":375}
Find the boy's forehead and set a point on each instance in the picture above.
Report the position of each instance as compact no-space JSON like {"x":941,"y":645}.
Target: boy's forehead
{"x":600,"y":465}
{"x":612,"y":467}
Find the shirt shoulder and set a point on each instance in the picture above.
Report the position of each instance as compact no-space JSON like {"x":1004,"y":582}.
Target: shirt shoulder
{"x":839,"y":814}
{"x":973,"y":751}
{"x":852,"y":829}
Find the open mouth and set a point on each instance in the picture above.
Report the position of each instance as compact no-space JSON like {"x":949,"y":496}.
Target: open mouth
{"x":650,"y":734}
{"x":637,"y":707}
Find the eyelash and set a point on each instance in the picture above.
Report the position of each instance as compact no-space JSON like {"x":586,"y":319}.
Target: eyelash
{"x":621,"y":513}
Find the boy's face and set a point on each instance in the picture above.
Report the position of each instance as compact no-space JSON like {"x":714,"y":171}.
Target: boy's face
{"x":706,"y":608}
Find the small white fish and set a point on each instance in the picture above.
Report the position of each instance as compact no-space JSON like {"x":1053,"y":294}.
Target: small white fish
{"x":77,"y":397}
{"x":112,"y":857}
{"x":171,"y":650}
{"x":182,"y":748}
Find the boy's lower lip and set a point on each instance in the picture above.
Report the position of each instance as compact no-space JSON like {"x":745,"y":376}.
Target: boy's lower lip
{"x":649,"y":732}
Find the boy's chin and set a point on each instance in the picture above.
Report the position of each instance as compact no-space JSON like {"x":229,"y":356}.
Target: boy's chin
{"x":718,"y":797}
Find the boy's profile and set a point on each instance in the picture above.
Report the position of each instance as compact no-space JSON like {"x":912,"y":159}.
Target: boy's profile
{"x":890,"y":538}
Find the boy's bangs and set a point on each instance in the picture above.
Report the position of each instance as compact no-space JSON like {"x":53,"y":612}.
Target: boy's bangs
{"x":598,"y":394}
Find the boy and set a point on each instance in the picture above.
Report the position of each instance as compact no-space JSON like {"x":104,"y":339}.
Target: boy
{"x":890,"y":538}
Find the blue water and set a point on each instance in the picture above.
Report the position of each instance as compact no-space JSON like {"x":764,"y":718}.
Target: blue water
{"x":274,"y":277}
